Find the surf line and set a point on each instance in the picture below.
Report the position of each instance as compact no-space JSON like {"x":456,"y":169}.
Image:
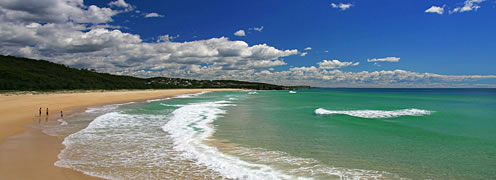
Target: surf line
{"x":376,"y":113}
{"x":191,"y":124}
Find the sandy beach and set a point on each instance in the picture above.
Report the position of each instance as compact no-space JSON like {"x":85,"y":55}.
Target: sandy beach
{"x":27,"y":153}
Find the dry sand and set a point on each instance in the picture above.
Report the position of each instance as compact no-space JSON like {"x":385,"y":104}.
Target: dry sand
{"x":27,"y":153}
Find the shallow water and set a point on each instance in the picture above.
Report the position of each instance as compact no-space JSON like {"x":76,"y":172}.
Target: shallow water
{"x":310,"y":134}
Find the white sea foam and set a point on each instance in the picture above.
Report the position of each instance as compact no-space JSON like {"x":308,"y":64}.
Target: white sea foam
{"x":171,"y":105}
{"x":376,"y":113}
{"x":161,"y":99}
{"x":303,"y":167}
{"x":105,"y":108}
{"x":190,"y":126}
{"x":124,"y":146}
{"x":77,"y":121}
{"x":191,"y":95}
{"x":62,"y":122}
{"x":252,"y":92}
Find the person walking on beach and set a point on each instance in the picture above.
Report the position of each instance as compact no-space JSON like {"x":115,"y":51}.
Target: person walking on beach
{"x":61,"y":114}
{"x":40,"y":111}
{"x":47,"y":113}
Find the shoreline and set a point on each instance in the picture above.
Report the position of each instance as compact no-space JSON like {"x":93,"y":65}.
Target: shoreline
{"x":28,"y":153}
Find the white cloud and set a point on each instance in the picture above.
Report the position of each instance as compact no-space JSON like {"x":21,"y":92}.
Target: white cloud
{"x":167,"y":37}
{"x":335,"y":64}
{"x":469,"y":5}
{"x":95,"y":14}
{"x":76,"y":35}
{"x":151,"y":15}
{"x":303,"y":53}
{"x":98,"y":46}
{"x":113,"y":50}
{"x":259,"y":29}
{"x":335,"y":78}
{"x":308,"y":48}
{"x":387,"y":59}
{"x":435,"y":9}
{"x":54,"y":11}
{"x":240,"y":33}
{"x":119,"y":3}
{"x":341,"y":6}
{"x":62,"y":38}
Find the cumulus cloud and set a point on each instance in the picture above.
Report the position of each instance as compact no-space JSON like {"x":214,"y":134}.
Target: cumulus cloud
{"x":71,"y":33}
{"x":335,"y":64}
{"x":308,"y":48}
{"x":342,"y":6}
{"x":335,"y":78}
{"x":387,"y":59}
{"x":303,"y":53}
{"x":97,"y":46}
{"x":58,"y":39}
{"x":119,"y":3}
{"x":113,"y":49}
{"x":312,"y":75}
{"x":240,"y":33}
{"x":469,"y":5}
{"x":54,"y":11}
{"x":435,"y":9}
{"x":152,"y":15}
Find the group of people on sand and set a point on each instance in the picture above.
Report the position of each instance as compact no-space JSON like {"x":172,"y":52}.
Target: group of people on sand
{"x":46,"y":112}
{"x":61,"y":113}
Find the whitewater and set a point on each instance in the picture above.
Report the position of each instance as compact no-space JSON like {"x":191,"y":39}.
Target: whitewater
{"x":312,"y":134}
{"x":376,"y":113}
{"x":116,"y":139}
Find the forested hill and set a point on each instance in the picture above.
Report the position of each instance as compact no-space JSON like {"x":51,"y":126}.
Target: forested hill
{"x":33,"y":75}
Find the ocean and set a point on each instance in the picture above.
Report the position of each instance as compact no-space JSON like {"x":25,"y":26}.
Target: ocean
{"x":309,"y":134}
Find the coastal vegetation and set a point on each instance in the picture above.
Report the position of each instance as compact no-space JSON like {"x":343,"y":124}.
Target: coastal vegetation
{"x":23,"y":74}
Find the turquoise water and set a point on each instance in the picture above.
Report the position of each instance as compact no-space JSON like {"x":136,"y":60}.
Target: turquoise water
{"x":456,"y":141}
{"x":314,"y":133}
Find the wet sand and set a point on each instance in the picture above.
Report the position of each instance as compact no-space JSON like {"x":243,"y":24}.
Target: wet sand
{"x":27,"y":153}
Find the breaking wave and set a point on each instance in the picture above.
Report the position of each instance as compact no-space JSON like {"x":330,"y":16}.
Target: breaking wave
{"x":191,"y":95}
{"x":376,"y":113}
{"x":190,"y":128}
{"x":190,"y":125}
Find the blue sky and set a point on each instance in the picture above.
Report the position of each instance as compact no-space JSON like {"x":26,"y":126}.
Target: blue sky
{"x":433,"y":43}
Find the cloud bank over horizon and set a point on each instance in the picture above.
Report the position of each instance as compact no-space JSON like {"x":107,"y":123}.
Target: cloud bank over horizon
{"x":83,"y":36}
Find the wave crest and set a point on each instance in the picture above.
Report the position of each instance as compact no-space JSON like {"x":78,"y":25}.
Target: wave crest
{"x":376,"y":113}
{"x":189,"y":126}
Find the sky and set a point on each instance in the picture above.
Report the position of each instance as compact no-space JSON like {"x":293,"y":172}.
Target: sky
{"x":322,"y":43}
